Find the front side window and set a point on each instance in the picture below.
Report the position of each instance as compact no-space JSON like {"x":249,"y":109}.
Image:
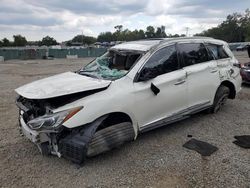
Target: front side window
{"x":217,"y":51}
{"x":193,"y":53}
{"x":163,"y":61}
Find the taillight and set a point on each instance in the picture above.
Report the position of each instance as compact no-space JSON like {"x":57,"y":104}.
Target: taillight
{"x":242,"y":65}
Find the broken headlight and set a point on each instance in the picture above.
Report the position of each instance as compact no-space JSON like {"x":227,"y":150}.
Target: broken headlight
{"x":52,"y":121}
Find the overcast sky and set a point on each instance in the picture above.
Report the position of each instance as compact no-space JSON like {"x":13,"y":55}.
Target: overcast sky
{"x":63,"y":19}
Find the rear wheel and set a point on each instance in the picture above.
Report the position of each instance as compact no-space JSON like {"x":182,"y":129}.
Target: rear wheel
{"x":110,"y":137}
{"x":220,"y":99}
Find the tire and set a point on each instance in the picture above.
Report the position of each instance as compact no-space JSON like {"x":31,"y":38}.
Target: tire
{"x":110,"y":137}
{"x":220,"y":99}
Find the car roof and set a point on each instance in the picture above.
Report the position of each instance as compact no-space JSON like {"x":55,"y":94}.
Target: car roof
{"x":139,"y":45}
{"x":147,"y":44}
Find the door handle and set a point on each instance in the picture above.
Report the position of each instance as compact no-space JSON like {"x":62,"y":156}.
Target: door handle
{"x":179,"y":82}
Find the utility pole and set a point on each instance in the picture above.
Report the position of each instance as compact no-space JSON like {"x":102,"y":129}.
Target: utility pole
{"x":187,"y":28}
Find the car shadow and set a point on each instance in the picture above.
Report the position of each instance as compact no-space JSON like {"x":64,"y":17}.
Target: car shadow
{"x":245,"y":85}
{"x":148,"y":138}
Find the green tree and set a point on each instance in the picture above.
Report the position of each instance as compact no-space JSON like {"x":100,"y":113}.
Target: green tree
{"x":118,"y":28}
{"x":141,"y":34}
{"x":6,"y":42}
{"x":121,"y":35}
{"x":105,"y":37}
{"x":82,"y":39}
{"x":150,"y":32}
{"x":160,"y":32}
{"x":48,"y":41}
{"x":117,"y":35}
{"x":19,"y":40}
{"x":245,"y":24}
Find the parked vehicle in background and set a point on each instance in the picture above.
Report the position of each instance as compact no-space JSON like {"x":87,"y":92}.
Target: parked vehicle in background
{"x":133,"y":88}
{"x":245,"y":69}
{"x":245,"y":72}
{"x":242,"y":47}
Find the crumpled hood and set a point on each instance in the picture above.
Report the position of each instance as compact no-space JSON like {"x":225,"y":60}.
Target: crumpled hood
{"x":59,"y":85}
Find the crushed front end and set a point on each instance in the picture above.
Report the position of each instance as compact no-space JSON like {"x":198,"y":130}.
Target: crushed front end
{"x":45,"y":128}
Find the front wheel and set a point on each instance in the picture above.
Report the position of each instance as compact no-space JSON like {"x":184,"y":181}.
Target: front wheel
{"x":110,"y":137}
{"x":220,"y":99}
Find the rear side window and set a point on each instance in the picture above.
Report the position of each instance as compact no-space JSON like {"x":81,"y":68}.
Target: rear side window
{"x":217,"y":51}
{"x":193,"y":53}
{"x":163,"y":61}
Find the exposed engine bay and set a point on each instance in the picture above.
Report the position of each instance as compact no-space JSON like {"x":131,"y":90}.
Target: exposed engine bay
{"x":34,"y":108}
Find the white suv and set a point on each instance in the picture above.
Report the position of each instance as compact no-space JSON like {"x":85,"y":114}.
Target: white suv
{"x":134,"y":87}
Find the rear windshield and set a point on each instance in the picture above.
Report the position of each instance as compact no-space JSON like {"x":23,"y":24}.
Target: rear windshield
{"x":112,"y":65}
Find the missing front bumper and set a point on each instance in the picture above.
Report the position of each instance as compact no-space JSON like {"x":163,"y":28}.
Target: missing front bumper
{"x":44,"y":141}
{"x":73,"y":145}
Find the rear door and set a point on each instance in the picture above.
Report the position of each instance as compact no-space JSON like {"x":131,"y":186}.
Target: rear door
{"x":202,"y":74}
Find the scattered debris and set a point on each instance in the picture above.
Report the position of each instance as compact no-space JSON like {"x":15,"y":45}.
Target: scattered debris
{"x":203,"y":148}
{"x":242,"y":141}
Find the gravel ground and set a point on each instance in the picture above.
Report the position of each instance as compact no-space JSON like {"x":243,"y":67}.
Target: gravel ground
{"x":155,"y":159}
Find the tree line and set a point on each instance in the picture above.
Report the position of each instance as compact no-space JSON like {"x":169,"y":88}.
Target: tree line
{"x":236,"y":28}
{"x":121,"y":34}
{"x":20,"y":41}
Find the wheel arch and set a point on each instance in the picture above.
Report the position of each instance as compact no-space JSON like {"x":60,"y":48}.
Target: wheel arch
{"x":231,"y":87}
{"x":113,"y":118}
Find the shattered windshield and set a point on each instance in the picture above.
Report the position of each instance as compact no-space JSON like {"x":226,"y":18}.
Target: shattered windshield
{"x":111,"y":66}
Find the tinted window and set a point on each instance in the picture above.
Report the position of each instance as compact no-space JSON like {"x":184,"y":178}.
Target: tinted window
{"x":217,"y":51}
{"x":193,"y":53}
{"x":163,"y":61}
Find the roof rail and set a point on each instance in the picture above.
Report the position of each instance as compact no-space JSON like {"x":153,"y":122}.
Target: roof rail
{"x":176,"y":38}
{"x":152,"y":39}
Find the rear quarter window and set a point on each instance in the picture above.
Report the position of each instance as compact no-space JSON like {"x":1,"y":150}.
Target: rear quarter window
{"x":218,"y":51}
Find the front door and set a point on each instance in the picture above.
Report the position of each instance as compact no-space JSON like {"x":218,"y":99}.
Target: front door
{"x":165,"y":94}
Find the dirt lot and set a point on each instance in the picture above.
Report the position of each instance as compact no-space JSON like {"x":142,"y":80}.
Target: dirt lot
{"x":155,"y":159}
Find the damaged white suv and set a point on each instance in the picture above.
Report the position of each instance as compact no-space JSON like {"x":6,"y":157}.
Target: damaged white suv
{"x":134,"y":87}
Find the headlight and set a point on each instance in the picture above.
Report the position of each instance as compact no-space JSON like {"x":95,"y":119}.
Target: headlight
{"x":52,"y":121}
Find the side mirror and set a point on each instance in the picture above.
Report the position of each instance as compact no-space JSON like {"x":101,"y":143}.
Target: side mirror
{"x":147,"y":74}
